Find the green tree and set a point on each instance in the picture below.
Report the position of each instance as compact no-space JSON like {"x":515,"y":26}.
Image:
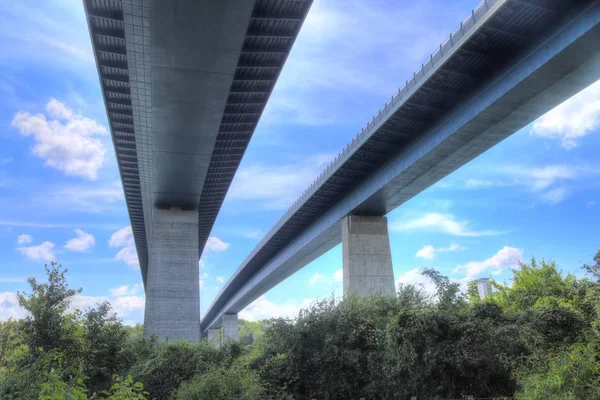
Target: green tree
{"x":48,"y":327}
{"x":106,"y":352}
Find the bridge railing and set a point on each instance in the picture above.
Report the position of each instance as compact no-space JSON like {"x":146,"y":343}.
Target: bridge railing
{"x":437,"y":58}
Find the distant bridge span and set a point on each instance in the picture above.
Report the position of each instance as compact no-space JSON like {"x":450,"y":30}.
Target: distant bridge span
{"x":509,"y":63}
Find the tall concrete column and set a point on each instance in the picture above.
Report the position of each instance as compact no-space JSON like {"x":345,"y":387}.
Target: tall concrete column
{"x":172,"y":283}
{"x":214,"y":337}
{"x":367,"y":256}
{"x":230,"y":327}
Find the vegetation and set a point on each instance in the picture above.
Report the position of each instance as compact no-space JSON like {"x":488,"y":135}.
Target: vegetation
{"x":538,"y":338}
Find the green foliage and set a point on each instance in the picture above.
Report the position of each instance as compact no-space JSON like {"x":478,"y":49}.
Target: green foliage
{"x":222,"y":384}
{"x":48,"y":327}
{"x":56,"y":389}
{"x":536,"y":339}
{"x":573,"y":373}
{"x":250,"y":331}
{"x":124,"y":389}
{"x":106,"y":353}
{"x":174,"y":363}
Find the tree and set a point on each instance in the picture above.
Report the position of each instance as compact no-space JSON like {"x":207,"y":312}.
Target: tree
{"x":106,"y":352}
{"x":47,"y":305}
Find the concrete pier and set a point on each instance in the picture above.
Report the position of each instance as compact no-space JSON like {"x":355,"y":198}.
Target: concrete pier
{"x":214,"y":337}
{"x":367,"y":258}
{"x":230,"y":327}
{"x":172,"y":286}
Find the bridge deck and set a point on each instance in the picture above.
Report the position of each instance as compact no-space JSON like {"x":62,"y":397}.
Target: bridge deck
{"x":184,"y":84}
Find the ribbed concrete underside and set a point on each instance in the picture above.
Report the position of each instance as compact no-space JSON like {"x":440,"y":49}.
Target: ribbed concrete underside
{"x":185,"y":83}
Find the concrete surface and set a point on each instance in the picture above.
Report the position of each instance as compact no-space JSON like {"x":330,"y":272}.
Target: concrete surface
{"x":230,"y":327}
{"x":173,"y":287}
{"x":367,"y":258}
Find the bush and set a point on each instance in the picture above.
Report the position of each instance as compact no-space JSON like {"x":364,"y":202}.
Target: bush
{"x":222,"y":384}
{"x":571,"y":374}
{"x":174,"y":363}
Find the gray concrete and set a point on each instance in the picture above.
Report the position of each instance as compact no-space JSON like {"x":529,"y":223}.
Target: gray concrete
{"x":172,"y":286}
{"x":367,"y":257}
{"x":230,"y":328}
{"x":214,"y":337}
{"x":553,"y":69}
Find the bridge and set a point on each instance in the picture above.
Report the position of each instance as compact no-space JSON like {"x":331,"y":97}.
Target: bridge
{"x":184,"y":85}
{"x":509,"y":63}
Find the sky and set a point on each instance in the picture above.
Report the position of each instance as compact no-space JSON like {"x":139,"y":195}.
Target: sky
{"x":535,"y":194}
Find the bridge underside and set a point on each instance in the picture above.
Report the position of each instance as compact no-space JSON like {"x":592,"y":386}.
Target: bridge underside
{"x":508,"y":65}
{"x":185,"y":83}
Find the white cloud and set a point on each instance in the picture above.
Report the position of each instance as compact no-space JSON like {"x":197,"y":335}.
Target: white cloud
{"x":24,"y":239}
{"x":10,"y":308}
{"x":428,"y":251}
{"x":338,"y":275}
{"x":216,"y":245}
{"x":555,"y":196}
{"x":12,"y":279}
{"x":128,"y":254}
{"x":91,"y":198}
{"x":123,"y":305}
{"x":275,"y":186}
{"x":83,"y":242}
{"x":262,"y":308}
{"x":541,"y":178}
{"x":220,"y":279}
{"x":64,"y":139}
{"x":202,"y":281}
{"x":127,"y":290}
{"x":42,"y":252}
{"x":252,"y":233}
{"x":47,"y":33}
{"x":316,"y":277}
{"x":126,"y":305}
{"x":415,"y":278}
{"x":124,"y":300}
{"x":446,"y":223}
{"x":508,"y":257}
{"x":591,"y":203}
{"x":573,"y":119}
{"x":482,"y":183}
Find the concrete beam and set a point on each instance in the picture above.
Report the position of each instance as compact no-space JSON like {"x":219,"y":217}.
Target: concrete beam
{"x":172,"y":286}
{"x":367,"y":257}
{"x":230,"y":328}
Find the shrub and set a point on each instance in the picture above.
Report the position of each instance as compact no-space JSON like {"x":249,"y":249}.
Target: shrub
{"x":174,"y":363}
{"x":222,"y":384}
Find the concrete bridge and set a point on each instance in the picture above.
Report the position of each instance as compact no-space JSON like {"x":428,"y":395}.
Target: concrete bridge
{"x":509,"y":63}
{"x":184,"y":83}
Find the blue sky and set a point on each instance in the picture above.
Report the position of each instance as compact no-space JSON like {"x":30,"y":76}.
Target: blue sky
{"x":535,"y":194}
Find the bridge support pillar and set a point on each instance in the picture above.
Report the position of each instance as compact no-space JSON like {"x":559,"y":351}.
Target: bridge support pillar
{"x":367,"y":258}
{"x":172,"y":283}
{"x":230,"y":327}
{"x":214,"y":337}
